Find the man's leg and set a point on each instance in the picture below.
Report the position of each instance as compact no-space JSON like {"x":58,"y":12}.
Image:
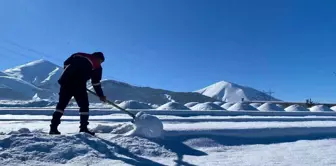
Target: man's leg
{"x":65,"y":96}
{"x":82,"y":100}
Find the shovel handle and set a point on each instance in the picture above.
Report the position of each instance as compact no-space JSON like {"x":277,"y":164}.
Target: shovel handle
{"x":113,"y":104}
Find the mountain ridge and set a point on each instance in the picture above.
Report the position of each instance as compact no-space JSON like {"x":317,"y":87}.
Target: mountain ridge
{"x":43,"y":75}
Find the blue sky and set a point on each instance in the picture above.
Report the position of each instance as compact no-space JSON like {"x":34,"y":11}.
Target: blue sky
{"x":286,"y":46}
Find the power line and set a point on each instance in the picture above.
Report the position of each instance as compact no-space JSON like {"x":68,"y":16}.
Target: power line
{"x":15,"y":52}
{"x":31,"y":49}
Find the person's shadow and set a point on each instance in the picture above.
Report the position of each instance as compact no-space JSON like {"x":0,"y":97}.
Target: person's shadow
{"x":106,"y":147}
{"x":180,"y":149}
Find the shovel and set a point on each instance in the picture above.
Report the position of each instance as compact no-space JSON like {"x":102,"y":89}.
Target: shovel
{"x":115,"y":105}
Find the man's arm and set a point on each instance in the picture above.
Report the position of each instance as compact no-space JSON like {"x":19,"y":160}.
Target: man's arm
{"x":95,"y":80}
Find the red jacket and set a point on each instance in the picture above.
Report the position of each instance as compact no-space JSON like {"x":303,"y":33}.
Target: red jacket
{"x":79,"y":68}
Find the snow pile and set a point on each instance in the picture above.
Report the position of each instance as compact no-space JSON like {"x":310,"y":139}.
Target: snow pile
{"x":191,"y":104}
{"x":173,"y":106}
{"x":131,"y":104}
{"x":230,"y":92}
{"x":227,"y":105}
{"x":147,"y":126}
{"x":241,"y":106}
{"x":219,"y":103}
{"x":114,"y":129}
{"x":256,"y":105}
{"x":320,"y":108}
{"x":206,"y":106}
{"x":24,"y":147}
{"x":144,"y":125}
{"x":296,"y":107}
{"x":270,"y":107}
{"x":118,"y":101}
{"x":154,"y":106}
{"x":333,"y":108}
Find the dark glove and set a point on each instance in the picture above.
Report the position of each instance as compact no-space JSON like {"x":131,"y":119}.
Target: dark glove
{"x":103,"y":98}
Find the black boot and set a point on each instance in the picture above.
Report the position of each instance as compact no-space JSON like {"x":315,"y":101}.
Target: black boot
{"x":54,"y":131}
{"x":86,"y":130}
{"x":84,"y":122}
{"x":56,"y":120}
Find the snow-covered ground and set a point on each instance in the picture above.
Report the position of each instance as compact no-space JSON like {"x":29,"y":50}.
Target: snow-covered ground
{"x":190,"y":138}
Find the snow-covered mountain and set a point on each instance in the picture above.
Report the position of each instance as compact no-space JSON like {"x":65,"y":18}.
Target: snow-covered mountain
{"x":12,"y":88}
{"x":231,"y":92}
{"x":116,"y":90}
{"x":40,"y":77}
{"x":41,"y":73}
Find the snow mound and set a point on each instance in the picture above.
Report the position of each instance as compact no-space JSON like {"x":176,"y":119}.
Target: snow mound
{"x":114,"y":129}
{"x":296,"y":107}
{"x":131,"y":104}
{"x":173,"y":106}
{"x":256,"y":105}
{"x":320,"y":108}
{"x":24,"y":147}
{"x":154,"y":106}
{"x":144,"y":147}
{"x":270,"y":107}
{"x":191,"y":104}
{"x":333,"y":108}
{"x":227,"y":105}
{"x":145,"y":125}
{"x":241,"y":106}
{"x":118,"y":101}
{"x":206,"y":106}
{"x":219,"y":103}
{"x":230,"y":92}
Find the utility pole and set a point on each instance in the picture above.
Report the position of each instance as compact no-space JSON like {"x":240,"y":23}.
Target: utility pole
{"x":270,"y":94}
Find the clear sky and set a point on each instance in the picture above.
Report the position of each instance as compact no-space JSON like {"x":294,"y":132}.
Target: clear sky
{"x":287,"y":46}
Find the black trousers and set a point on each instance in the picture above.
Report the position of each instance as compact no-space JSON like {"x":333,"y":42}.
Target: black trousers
{"x":80,"y":95}
{"x":65,"y":95}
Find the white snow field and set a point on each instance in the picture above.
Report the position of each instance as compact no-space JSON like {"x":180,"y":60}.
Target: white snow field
{"x":232,"y":138}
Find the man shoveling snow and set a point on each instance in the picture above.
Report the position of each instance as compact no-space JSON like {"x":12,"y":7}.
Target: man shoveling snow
{"x":78,"y":69}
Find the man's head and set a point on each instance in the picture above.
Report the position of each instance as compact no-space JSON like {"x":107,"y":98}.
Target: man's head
{"x":100,"y":56}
